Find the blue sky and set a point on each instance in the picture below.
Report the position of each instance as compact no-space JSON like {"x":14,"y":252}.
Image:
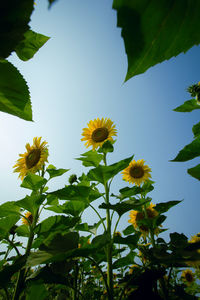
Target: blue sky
{"x":78,"y":76}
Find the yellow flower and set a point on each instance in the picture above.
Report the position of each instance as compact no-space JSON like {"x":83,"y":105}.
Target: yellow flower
{"x":136,"y":172}
{"x":188,"y":276}
{"x":137,"y":216}
{"x":194,"y":263}
{"x":195,"y":238}
{"x":98,"y":131}
{"x":28,"y":216}
{"x":33,"y":160}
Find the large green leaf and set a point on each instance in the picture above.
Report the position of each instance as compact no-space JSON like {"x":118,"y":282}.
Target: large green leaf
{"x":135,"y":190}
{"x":104,"y":173}
{"x":124,"y":261}
{"x":188,"y":106}
{"x":31,"y":43}
{"x":154,"y":31}
{"x":89,"y":228}
{"x":165,"y":206}
{"x":130,"y":240}
{"x":195,"y":172}
{"x":190,"y":151}
{"x":31,"y":203}
{"x":90,"y":158}
{"x":6,"y":224}
{"x":9,"y":208}
{"x":53,"y":172}
{"x":196,"y":130}
{"x":14,"y":92}
{"x":73,"y":208}
{"x":33,"y":182}
{"x":14,"y":19}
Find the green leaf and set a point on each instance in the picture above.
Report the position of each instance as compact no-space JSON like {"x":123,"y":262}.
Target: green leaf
{"x":190,"y":151}
{"x":135,"y":190}
{"x":31,"y":43}
{"x":6,"y":224}
{"x":178,"y":240}
{"x":106,"y":147}
{"x":56,"y":172}
{"x":23,"y":230}
{"x":154,"y":31}
{"x":33,"y":182}
{"x":195,"y":172}
{"x":130,"y":240}
{"x":9,"y":271}
{"x":73,"y":208}
{"x":130,"y":229}
{"x":122,"y":207}
{"x":31,"y":203}
{"x":56,"y":224}
{"x":124,"y":261}
{"x":196,"y":130}
{"x":9,"y":208}
{"x":14,"y":19}
{"x":36,"y":291}
{"x":165,"y":206}
{"x":188,"y":106}
{"x":89,"y":228}
{"x":14,"y":101}
{"x":91,"y":158}
{"x":103,"y":173}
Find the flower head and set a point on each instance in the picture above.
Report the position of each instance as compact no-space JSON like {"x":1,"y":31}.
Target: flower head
{"x":98,"y":131}
{"x":137,"y":172}
{"x":28,"y":218}
{"x":188,"y":276}
{"x":137,"y":216}
{"x":33,"y":159}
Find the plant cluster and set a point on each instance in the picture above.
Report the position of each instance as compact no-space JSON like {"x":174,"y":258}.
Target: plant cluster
{"x":62,"y":257}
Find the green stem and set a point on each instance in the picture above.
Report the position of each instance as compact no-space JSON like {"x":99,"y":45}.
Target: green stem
{"x":98,"y":216}
{"x":109,"y":246}
{"x":13,"y":245}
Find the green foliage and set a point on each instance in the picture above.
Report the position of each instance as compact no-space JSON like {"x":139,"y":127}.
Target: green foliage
{"x":195,"y":172}
{"x":154,"y":31}
{"x":36,"y":291}
{"x":14,"y":101}
{"x":196,"y":130}
{"x":33,"y":182}
{"x":91,"y":158}
{"x":106,"y":147}
{"x":31,"y":43}
{"x":103,"y":173}
{"x":8,"y":271}
{"x":188,"y":106}
{"x":190,"y":151}
{"x":164,"y":207}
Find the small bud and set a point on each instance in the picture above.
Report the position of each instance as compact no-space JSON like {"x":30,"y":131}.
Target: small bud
{"x":72,"y":179}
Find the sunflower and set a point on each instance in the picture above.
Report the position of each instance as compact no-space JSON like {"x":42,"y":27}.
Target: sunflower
{"x":28,"y":218}
{"x":137,"y":216}
{"x":98,"y":131}
{"x":136,"y":172}
{"x":188,"y":276}
{"x":33,"y":160}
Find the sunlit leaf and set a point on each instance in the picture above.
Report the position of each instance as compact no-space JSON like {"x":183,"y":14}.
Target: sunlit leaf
{"x":104,"y":173}
{"x":196,"y":130}
{"x":31,"y":43}
{"x":188,"y":106}
{"x":14,"y":19}
{"x":91,"y":158}
{"x":56,"y":172}
{"x":190,"y":151}
{"x":14,"y":92}
{"x":154,"y":31}
{"x":195,"y":172}
{"x":33,"y":182}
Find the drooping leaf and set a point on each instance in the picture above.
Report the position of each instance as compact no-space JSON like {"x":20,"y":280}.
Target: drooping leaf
{"x":154,"y":31}
{"x":31,"y":43}
{"x":165,"y":206}
{"x":14,"y":19}
{"x":188,"y":106}
{"x":14,"y":92}
{"x":190,"y":151}
{"x":196,"y":130}
{"x":91,"y":158}
{"x":195,"y":172}
{"x":104,"y":173}
{"x":33,"y":182}
{"x":56,"y":172}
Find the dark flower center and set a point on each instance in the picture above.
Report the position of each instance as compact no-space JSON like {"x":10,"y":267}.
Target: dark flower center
{"x":189,"y":277}
{"x":136,"y":172}
{"x":33,"y":158}
{"x":100,"y":134}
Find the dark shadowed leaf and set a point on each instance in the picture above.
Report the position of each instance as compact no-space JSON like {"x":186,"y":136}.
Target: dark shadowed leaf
{"x":190,"y":151}
{"x":91,"y":158}
{"x":154,"y":31}
{"x":8,"y":271}
{"x":196,"y":130}
{"x":188,"y":106}
{"x":104,"y":173}
{"x":163,"y":207}
{"x":14,"y":92}
{"x":31,"y":43}
{"x":89,"y":228}
{"x":128,"y":230}
{"x":35,"y":291}
{"x":130,"y":240}
{"x":124,"y":261}
{"x":195,"y":172}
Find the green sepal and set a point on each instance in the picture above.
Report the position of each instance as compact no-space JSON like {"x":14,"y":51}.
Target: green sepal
{"x":188,"y":106}
{"x":31,"y":43}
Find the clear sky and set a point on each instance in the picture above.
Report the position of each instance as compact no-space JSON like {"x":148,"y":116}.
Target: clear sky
{"x":78,"y":76}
